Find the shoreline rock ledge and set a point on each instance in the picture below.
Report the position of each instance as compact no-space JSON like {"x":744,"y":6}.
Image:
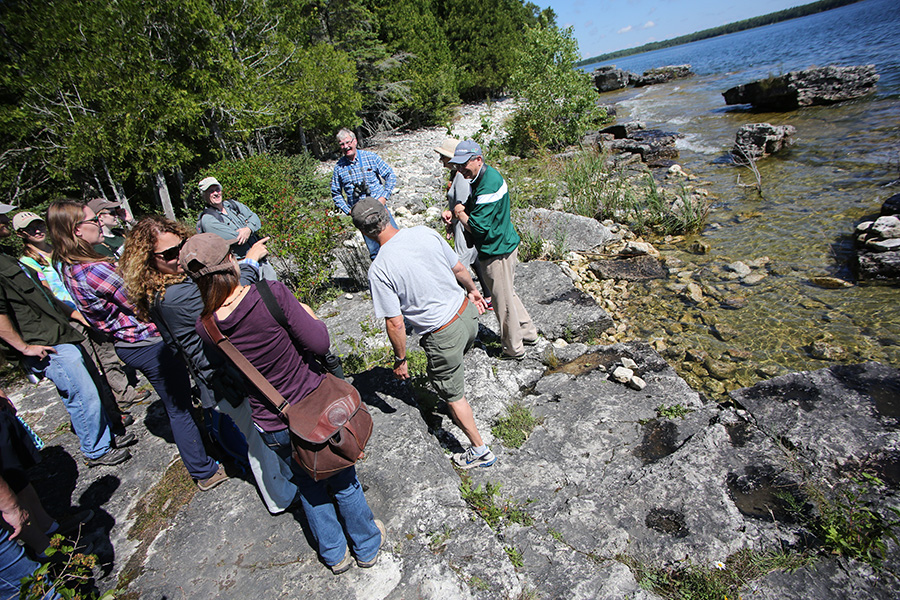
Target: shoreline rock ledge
{"x":818,"y":85}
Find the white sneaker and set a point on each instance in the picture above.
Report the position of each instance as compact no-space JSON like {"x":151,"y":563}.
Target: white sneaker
{"x":468,"y":459}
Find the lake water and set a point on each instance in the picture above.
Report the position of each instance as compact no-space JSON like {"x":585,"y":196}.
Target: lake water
{"x":844,"y":163}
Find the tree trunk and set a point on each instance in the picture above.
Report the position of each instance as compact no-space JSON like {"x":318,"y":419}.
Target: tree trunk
{"x":162,"y":189}
{"x":116,"y":188}
{"x":179,"y":176}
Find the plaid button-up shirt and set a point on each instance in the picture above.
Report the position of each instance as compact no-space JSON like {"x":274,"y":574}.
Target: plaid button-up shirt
{"x":99,"y":293}
{"x":367,"y":168}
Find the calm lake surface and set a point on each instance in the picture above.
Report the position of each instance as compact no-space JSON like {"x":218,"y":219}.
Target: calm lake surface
{"x":844,"y":163}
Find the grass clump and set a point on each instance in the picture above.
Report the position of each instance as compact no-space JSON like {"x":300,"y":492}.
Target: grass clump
{"x":516,"y":426}
{"x":722,"y":580}
{"x":490,"y":506}
{"x":515,"y":556}
{"x":672,"y":412}
{"x":849,"y":525}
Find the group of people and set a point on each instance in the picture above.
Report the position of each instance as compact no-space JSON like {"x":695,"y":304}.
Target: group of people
{"x":91,"y":296}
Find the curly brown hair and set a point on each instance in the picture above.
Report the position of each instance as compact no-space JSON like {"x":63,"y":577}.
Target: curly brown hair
{"x":143,"y":281}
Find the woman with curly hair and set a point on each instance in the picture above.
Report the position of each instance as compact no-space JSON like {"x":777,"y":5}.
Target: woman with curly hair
{"x":98,"y":291}
{"x":163,"y":294}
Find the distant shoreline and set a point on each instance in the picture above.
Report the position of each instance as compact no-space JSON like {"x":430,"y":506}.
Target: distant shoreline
{"x":775,"y":17}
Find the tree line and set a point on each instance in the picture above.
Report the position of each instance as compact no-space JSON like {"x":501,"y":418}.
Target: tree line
{"x":128,"y":99}
{"x":775,"y":17}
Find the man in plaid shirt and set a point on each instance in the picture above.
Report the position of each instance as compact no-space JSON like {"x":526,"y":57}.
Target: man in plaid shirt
{"x":358,"y":174}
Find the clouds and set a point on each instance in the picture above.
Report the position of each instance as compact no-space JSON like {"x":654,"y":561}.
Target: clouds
{"x":648,"y":25}
{"x":628,"y":28}
{"x":625,"y":29}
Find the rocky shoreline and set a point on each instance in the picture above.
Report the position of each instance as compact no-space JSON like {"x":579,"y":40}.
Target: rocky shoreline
{"x":628,"y":483}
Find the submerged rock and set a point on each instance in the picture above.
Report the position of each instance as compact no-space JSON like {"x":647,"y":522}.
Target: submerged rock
{"x":819,"y":85}
{"x":878,"y":245}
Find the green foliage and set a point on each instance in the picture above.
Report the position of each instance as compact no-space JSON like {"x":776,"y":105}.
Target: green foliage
{"x":286,"y":193}
{"x":531,"y":246}
{"x":68,"y":573}
{"x":438,"y":539}
{"x":515,"y":556}
{"x":672,"y":412}
{"x":557,"y":103}
{"x":516,"y":426}
{"x":723,"y":580}
{"x":490,"y":506}
{"x":597,"y":191}
{"x":849,"y":525}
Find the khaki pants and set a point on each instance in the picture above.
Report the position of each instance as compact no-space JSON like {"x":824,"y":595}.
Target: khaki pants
{"x":515,"y":323}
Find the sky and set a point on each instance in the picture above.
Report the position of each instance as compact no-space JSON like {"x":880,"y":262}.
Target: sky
{"x":607,"y":25}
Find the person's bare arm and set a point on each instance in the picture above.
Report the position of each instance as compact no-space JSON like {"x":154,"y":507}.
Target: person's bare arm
{"x":396,"y":331}
{"x":11,"y":511}
{"x":465,"y":280}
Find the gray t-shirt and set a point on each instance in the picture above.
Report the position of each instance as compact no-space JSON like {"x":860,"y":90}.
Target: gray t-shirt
{"x":413,"y":276}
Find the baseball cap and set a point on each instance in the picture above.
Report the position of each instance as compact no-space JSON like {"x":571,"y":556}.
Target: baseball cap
{"x":465,"y":151}
{"x":5,"y":208}
{"x":366,"y":208}
{"x":205,"y":253}
{"x":23,"y":219}
{"x":98,"y":204}
{"x":447,"y":147}
{"x":208,"y":182}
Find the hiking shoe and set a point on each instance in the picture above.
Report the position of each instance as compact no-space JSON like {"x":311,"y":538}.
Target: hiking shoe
{"x":127,"y":420}
{"x":344,"y":565}
{"x":139,"y":396}
{"x":365,"y":564}
{"x":113,"y":457}
{"x":505,"y":356}
{"x":467,"y":459}
{"x":121,"y":441}
{"x":490,"y":303}
{"x":530,"y":342}
{"x":213,"y":480}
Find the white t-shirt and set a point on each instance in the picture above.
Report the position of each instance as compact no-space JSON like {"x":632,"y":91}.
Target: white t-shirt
{"x":413,"y":276}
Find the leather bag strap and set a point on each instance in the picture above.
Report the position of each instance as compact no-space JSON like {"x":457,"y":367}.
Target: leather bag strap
{"x":240,"y":361}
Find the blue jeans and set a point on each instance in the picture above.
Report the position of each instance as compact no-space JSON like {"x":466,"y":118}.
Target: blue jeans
{"x":14,"y":566}
{"x":374,"y":246}
{"x":169,"y":377}
{"x":66,"y":369}
{"x":321,"y":512}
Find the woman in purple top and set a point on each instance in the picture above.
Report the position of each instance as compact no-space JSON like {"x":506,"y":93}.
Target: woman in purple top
{"x":99,"y":293}
{"x":241,"y":315}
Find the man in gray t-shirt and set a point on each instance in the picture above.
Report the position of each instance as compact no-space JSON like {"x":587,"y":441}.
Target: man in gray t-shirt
{"x":418,"y":276}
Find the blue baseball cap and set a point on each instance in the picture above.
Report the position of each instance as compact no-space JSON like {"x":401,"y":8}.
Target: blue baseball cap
{"x":465,"y":151}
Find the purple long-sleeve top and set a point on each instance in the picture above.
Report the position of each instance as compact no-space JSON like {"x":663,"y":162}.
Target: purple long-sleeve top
{"x":268,"y":346}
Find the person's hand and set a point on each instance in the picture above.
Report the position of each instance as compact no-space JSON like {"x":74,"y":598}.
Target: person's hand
{"x":447,"y":217}
{"x":38,"y":351}
{"x":243,"y":234}
{"x":459,"y":209}
{"x":383,"y":201}
{"x":478,"y":300}
{"x":18,"y":518}
{"x":258,"y":251}
{"x":402,"y":372}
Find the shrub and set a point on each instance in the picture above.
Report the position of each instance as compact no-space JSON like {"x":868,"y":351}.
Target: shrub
{"x":289,"y":198}
{"x":557,"y":103}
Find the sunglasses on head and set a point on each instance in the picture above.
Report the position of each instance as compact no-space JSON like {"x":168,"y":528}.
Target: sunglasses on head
{"x":170,"y":254}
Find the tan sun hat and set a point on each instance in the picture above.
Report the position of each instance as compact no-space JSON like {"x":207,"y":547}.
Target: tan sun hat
{"x":447,"y":148}
{"x":205,"y":253}
{"x":24,"y":219}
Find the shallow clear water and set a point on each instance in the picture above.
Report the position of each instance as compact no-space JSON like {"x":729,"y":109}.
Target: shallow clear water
{"x":844,"y":163}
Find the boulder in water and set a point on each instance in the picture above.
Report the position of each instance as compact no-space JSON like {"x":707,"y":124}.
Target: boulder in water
{"x":819,"y":85}
{"x":610,"y":78}
{"x":663,"y":74}
{"x":757,"y":140}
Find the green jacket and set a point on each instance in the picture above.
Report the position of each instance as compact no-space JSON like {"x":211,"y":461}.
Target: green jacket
{"x":489,"y":217}
{"x":32,"y":309}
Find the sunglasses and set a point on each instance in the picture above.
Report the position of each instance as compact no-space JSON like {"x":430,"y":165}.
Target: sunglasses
{"x":170,"y":254}
{"x":95,"y":221}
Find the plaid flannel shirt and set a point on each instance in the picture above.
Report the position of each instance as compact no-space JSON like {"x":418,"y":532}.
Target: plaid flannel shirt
{"x":366,"y":168}
{"x":99,"y":293}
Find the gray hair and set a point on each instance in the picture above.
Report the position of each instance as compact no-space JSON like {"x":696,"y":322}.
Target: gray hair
{"x":344,"y":133}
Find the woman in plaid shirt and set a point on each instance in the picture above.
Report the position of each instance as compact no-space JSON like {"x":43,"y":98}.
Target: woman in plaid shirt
{"x":99,"y":293}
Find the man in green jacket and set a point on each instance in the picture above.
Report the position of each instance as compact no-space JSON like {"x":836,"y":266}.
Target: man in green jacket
{"x":487,"y":215}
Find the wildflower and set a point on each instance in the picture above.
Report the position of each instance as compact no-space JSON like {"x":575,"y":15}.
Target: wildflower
{"x":719,"y":565}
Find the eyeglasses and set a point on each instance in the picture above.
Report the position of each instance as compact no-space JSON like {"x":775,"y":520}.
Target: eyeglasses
{"x":170,"y":254}
{"x":95,"y":220}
